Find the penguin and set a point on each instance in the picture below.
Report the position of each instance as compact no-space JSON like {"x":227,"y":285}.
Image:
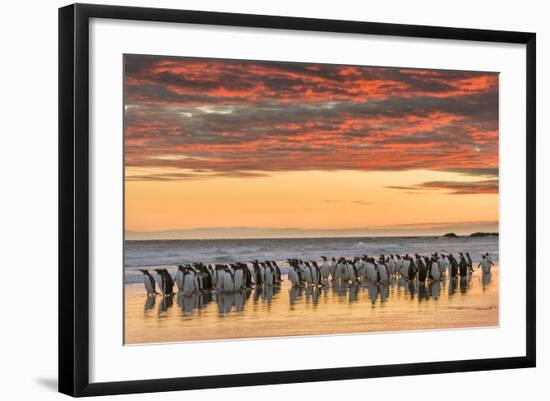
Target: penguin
{"x":293,"y":275}
{"x":405,"y":265}
{"x":469,"y":262}
{"x":422,"y":270}
{"x":315,"y":273}
{"x":257,"y":273}
{"x":166,"y":282}
{"x":269,"y":275}
{"x":278,"y":278}
{"x":344,"y":270}
{"x":463,"y":266}
{"x":247,"y":275}
{"x":306,"y":271}
{"x":398,"y":264}
{"x":149,"y":282}
{"x":411,"y":273}
{"x":207,"y":277}
{"x":382,"y":271}
{"x":190,"y":284}
{"x":351,"y":272}
{"x":179,"y":278}
{"x":238,"y":278}
{"x":484,"y":265}
{"x":434,"y":273}
{"x":372,"y":275}
{"x":442,"y":264}
{"x":453,"y":266}
{"x":227,"y":280}
{"x":325,"y":269}
{"x":332,"y":266}
{"x":359,"y":264}
{"x":390,"y":262}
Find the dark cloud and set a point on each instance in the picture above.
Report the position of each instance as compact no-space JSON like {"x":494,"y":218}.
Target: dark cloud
{"x":249,"y":116}
{"x":454,"y":187}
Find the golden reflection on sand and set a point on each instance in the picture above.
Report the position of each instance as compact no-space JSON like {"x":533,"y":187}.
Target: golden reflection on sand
{"x":286,"y":311}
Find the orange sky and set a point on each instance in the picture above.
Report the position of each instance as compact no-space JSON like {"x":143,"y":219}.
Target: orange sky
{"x":225,"y":143}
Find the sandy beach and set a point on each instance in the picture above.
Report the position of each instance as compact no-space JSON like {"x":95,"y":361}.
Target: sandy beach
{"x":400,"y":305}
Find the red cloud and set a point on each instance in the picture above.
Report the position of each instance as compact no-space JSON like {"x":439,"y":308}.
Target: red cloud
{"x":231,"y":116}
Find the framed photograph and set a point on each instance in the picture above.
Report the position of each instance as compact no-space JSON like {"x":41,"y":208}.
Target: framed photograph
{"x":251,"y":199}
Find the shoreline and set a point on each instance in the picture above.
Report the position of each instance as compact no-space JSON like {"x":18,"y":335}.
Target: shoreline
{"x":352,"y":310}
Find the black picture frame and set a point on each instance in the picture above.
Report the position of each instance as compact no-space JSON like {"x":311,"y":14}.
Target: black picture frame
{"x":74,"y":197}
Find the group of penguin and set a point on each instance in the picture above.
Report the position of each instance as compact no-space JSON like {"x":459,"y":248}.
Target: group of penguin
{"x":365,"y":268}
{"x":198,"y":277}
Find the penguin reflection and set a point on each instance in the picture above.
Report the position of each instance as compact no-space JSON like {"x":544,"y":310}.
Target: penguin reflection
{"x":339,"y":289}
{"x":353,"y":293}
{"x":149,"y":302}
{"x":453,"y":284}
{"x":267,"y":295}
{"x":422,"y":291}
{"x":187,"y":302}
{"x":384,"y":290}
{"x":485,"y":280}
{"x":225,"y":302}
{"x":257,"y":293}
{"x":295,"y":294}
{"x":435,"y":289}
{"x":412,"y":288}
{"x":240,"y":299}
{"x":312,"y":295}
{"x":464,"y":284}
{"x":165,"y":303}
{"x":372,"y":290}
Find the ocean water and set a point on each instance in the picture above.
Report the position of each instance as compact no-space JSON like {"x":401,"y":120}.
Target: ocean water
{"x":170,"y":253}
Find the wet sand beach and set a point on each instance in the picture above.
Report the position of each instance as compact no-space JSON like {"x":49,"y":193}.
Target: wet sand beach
{"x":286,"y":311}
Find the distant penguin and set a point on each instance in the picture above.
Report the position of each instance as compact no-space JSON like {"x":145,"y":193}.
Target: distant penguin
{"x":370,"y":269}
{"x":351,"y":272}
{"x":315,"y":273}
{"x":382,"y":272}
{"x":278,"y":278}
{"x":239,"y":278}
{"x":257,"y":273}
{"x":190,"y":284}
{"x":442,"y":265}
{"x":227,"y":281}
{"x":166,"y":282}
{"x":411,"y":273}
{"x":398,"y":264}
{"x":463,"y":266}
{"x":469,"y":262}
{"x":293,"y":276}
{"x":360,"y":267}
{"x":422,"y":271}
{"x":269,"y":275}
{"x":484,"y":264}
{"x":325,"y":269}
{"x":179,"y":277}
{"x":149,"y":282}
{"x":435,"y":270}
{"x":332,"y":266}
{"x":339,"y":271}
{"x":392,"y":268}
{"x":453,"y":266}
{"x":307,"y":274}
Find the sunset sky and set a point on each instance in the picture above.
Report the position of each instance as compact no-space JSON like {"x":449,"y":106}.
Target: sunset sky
{"x":215,"y":147}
